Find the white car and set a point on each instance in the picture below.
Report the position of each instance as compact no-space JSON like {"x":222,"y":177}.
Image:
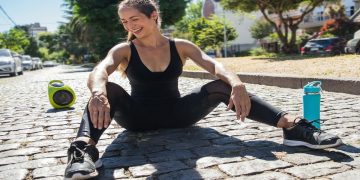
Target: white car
{"x":10,"y":63}
{"x":27,"y":63}
{"x":38,"y":63}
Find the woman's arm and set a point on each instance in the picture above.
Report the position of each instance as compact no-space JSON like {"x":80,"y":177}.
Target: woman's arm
{"x":99,"y":107}
{"x":99,"y":76}
{"x":239,"y":97}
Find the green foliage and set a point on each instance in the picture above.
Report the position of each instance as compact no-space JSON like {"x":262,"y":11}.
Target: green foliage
{"x":261,"y":52}
{"x":95,"y":24}
{"x":172,"y":11}
{"x":209,"y":34}
{"x":44,"y":53}
{"x":15,"y":39}
{"x":285,"y":26}
{"x":33,"y":48}
{"x":261,"y":29}
{"x":193,"y":12}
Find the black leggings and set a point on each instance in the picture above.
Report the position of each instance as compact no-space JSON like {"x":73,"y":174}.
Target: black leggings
{"x":136,"y":114}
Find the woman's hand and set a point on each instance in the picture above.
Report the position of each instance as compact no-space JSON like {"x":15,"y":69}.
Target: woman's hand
{"x":240,"y":99}
{"x":99,"y":109}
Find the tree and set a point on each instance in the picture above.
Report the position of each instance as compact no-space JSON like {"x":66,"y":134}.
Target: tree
{"x":339,"y":25}
{"x":193,"y":12}
{"x":95,"y":24}
{"x":209,"y":34}
{"x":15,"y":39}
{"x":261,"y":29}
{"x":284,"y":24}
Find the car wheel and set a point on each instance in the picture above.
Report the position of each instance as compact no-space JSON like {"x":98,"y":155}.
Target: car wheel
{"x":15,"y":73}
{"x":21,"y":73}
{"x":357,"y":51}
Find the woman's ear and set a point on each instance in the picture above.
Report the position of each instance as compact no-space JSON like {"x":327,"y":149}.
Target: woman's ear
{"x":154,"y":15}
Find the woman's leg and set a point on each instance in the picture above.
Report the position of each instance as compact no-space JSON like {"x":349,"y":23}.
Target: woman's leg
{"x":193,"y":107}
{"x":196,"y":105}
{"x":83,"y":156}
{"x":119,"y":100}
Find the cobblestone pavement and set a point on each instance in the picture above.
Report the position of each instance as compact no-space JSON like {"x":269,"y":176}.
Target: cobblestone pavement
{"x":34,"y":137}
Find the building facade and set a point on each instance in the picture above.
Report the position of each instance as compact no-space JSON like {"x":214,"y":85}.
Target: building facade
{"x":35,"y":29}
{"x":241,"y":22}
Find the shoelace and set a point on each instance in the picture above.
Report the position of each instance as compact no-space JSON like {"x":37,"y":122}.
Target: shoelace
{"x":308,"y":126}
{"x":78,"y":154}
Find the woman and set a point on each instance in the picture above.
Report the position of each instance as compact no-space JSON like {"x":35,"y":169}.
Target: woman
{"x":153,"y":64}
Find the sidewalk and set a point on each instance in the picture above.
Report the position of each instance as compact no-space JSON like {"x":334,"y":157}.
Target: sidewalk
{"x":34,"y":137}
{"x":342,"y":85}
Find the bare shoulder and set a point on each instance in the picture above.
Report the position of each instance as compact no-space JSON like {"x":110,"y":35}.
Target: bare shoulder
{"x":183,"y":43}
{"x":120,"y":52}
{"x":185,"y":47}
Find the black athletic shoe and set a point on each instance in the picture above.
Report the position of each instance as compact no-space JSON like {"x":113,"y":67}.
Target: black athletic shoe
{"x":303,"y":133}
{"x":81,"y":158}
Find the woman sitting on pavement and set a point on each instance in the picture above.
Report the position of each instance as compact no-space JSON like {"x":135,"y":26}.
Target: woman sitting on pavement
{"x":153,"y":64}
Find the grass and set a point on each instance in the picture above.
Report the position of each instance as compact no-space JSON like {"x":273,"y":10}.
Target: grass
{"x":342,"y":66}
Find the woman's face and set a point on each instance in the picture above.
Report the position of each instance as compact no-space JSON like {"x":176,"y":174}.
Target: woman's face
{"x":136,"y":22}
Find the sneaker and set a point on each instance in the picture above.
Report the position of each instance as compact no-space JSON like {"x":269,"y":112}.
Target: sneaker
{"x":303,"y":133}
{"x":81,"y":158}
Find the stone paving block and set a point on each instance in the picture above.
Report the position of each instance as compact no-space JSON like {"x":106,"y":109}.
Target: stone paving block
{"x":317,"y":170}
{"x":13,"y":137}
{"x":348,"y":175}
{"x":205,"y":162}
{"x":27,"y":131}
{"x":57,"y":154}
{"x":187,"y":145}
{"x":14,"y":174}
{"x":304,"y":158}
{"x":170,"y":155}
{"x":20,"y":152}
{"x":49,"y":171}
{"x":112,"y":174}
{"x":252,"y":166}
{"x":353,"y":162}
{"x":157,"y":168}
{"x":13,"y":160}
{"x":15,"y":128}
{"x":26,"y":139}
{"x":265,"y":176}
{"x":208,"y":174}
{"x":5,"y":147}
{"x":32,"y":164}
{"x":123,"y":161}
{"x":46,"y":143}
{"x":217,"y":149}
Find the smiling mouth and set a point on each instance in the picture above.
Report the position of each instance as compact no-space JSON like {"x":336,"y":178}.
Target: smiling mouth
{"x":137,"y":30}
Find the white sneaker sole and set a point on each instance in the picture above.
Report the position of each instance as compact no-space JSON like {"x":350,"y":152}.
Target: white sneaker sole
{"x":312,"y":146}
{"x":79,"y":176}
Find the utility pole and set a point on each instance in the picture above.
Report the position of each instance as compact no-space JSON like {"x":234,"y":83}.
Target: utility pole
{"x":225,"y":37}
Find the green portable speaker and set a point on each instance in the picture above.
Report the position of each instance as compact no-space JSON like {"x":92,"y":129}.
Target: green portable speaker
{"x":60,"y":95}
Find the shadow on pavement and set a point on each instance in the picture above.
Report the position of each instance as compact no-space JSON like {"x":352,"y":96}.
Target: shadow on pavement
{"x":177,"y":153}
{"x":53,"y":110}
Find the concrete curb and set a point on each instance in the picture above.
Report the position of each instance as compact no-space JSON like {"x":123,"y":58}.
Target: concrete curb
{"x":349,"y":86}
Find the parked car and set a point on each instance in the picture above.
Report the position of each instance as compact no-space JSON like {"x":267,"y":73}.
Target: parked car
{"x":38,"y":63}
{"x":50,"y":64}
{"x":330,"y":46}
{"x":353,"y":45}
{"x":10,"y":63}
{"x":27,"y":62}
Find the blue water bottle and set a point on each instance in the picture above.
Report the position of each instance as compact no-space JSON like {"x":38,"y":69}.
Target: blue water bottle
{"x":311,"y":102}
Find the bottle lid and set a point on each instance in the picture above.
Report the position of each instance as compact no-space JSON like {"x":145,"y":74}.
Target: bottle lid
{"x":312,"y":87}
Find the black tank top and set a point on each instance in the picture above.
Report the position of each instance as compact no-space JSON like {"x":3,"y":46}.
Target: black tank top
{"x":147,"y":84}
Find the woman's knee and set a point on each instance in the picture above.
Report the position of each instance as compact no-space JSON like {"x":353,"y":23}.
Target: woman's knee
{"x":217,"y":86}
